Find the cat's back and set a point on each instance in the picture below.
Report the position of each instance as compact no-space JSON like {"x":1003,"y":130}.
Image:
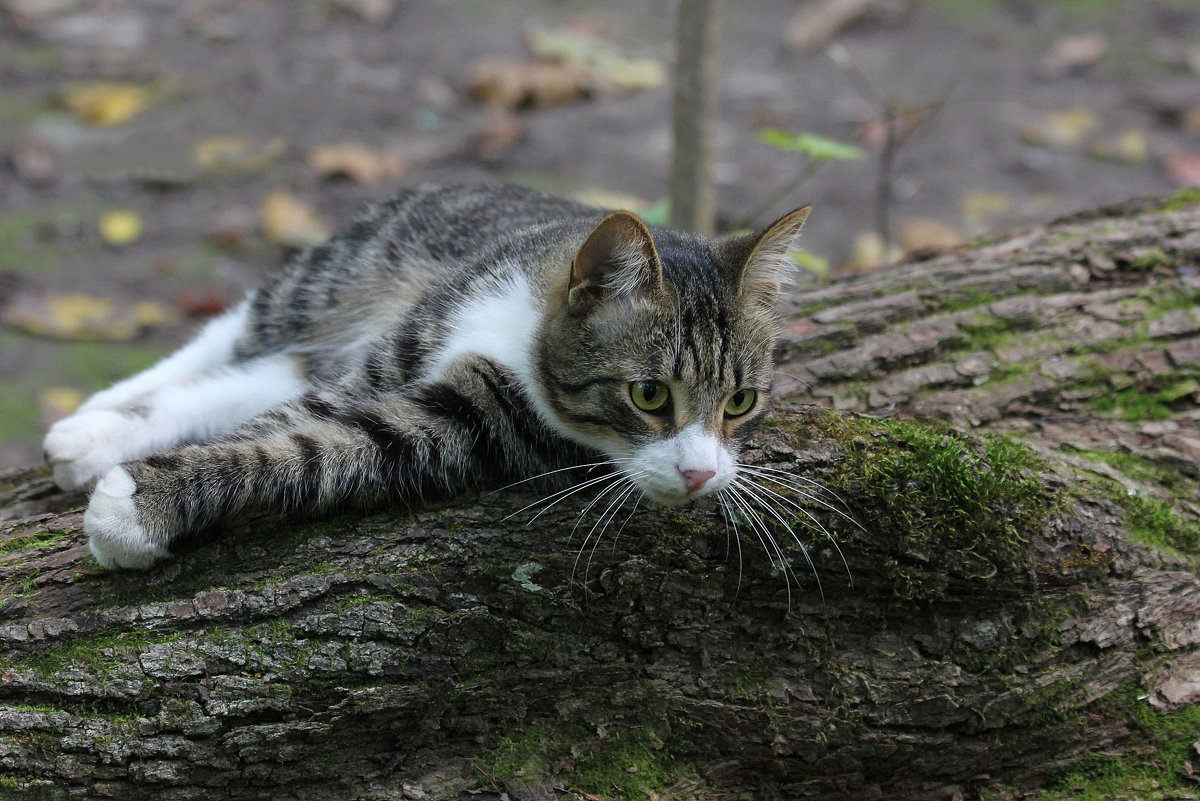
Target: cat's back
{"x":439,"y":240}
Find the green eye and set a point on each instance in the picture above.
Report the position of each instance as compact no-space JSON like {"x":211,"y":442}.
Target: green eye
{"x":740,"y":402}
{"x":649,"y":396}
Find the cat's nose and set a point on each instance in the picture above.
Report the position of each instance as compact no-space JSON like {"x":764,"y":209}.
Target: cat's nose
{"x":695,"y":479}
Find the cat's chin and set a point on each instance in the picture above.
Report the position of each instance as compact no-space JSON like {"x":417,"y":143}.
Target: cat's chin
{"x":675,"y":498}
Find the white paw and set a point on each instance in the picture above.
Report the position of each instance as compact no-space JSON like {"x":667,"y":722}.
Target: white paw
{"x":86,"y":445}
{"x":115,"y":536}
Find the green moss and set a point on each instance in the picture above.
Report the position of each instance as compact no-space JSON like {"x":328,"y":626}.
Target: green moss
{"x":945,"y":507}
{"x":957,"y":299}
{"x":98,"y":655}
{"x":984,"y":332}
{"x":1156,"y":524}
{"x":1152,"y":258}
{"x":1137,"y":403}
{"x":40,"y":539}
{"x":1154,"y":768}
{"x":633,"y":763}
{"x":1182,"y":199}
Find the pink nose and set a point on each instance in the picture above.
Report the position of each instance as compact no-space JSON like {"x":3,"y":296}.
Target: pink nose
{"x":695,"y":479}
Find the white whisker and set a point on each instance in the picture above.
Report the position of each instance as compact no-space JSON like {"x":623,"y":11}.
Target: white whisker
{"x":588,"y":466}
{"x":559,"y":496}
{"x":760,"y":531}
{"x":746,"y":486}
{"x":607,"y":515}
{"x":619,"y":480}
{"x":789,"y":480}
{"x":811,"y":518}
{"x":730,"y":521}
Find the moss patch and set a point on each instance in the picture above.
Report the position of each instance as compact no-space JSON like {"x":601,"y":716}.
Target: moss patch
{"x":1157,"y":772}
{"x":1155,"y":524}
{"x":40,"y":539}
{"x":633,"y":763}
{"x":943,"y":507}
{"x":1181,"y":199}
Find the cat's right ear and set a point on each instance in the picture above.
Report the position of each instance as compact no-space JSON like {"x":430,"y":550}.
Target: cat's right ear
{"x":618,"y":259}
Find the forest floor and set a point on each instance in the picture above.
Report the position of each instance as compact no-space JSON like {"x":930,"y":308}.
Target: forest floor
{"x":158,"y":158}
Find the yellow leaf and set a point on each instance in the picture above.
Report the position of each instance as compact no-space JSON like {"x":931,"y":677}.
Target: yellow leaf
{"x":84,"y":317}
{"x":928,"y":234}
{"x":237,"y":153}
{"x":104,"y":103}
{"x":1128,"y":147}
{"x":58,"y":402}
{"x":868,"y":253}
{"x":288,"y":221}
{"x":1066,"y":128}
{"x":120,"y":227}
{"x":981,"y":210}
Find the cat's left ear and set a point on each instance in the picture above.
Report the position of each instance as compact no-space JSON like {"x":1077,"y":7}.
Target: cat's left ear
{"x":767,"y":267}
{"x":618,"y":259}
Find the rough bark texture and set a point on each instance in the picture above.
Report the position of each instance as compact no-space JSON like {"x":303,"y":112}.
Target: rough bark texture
{"x":1001,"y":622}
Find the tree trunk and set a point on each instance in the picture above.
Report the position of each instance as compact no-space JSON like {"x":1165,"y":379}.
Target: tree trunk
{"x":693,"y":188}
{"x":980,"y":607}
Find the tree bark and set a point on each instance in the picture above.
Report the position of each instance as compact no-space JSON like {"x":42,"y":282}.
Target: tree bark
{"x":980,"y":607}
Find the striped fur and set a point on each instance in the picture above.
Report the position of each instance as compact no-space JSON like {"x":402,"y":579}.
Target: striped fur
{"x":450,"y":338}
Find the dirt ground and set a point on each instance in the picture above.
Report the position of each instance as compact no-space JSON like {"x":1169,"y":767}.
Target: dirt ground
{"x":129,"y":213}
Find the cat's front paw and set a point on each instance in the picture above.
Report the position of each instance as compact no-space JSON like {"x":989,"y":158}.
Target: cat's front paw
{"x":86,"y":445}
{"x":115,"y":533}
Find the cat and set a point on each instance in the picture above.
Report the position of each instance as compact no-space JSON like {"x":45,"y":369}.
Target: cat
{"x":451,"y":337}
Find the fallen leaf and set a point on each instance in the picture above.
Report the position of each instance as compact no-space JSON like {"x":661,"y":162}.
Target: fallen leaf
{"x":56,"y":403}
{"x":868,"y":253}
{"x":85,"y":317}
{"x":981,"y":210}
{"x":104,"y":104}
{"x":358,"y":162}
{"x":202,"y":302}
{"x":924,"y":234}
{"x":288,"y":221}
{"x":1066,"y":128}
{"x":1184,"y":168}
{"x":237,"y":153}
{"x":1128,"y":147}
{"x":520,"y":84}
{"x":597,"y":58}
{"x":1076,"y":51}
{"x":815,"y":24}
{"x":121,"y":227}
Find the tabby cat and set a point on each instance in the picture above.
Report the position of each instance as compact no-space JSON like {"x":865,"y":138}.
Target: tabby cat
{"x":451,"y":337}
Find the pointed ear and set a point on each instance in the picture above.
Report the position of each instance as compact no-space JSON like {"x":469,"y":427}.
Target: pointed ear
{"x":767,"y":268}
{"x":617,"y":259}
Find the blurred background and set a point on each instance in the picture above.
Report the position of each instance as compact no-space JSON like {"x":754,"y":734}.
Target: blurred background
{"x":158,"y":157}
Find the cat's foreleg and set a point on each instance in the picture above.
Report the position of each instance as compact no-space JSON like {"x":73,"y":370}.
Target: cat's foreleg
{"x":89,"y":443}
{"x":317,"y":452}
{"x":213,"y":347}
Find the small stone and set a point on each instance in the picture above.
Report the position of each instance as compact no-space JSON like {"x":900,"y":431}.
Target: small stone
{"x":1076,"y":51}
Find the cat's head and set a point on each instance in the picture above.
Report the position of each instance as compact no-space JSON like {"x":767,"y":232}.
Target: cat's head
{"x":657,"y":349}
